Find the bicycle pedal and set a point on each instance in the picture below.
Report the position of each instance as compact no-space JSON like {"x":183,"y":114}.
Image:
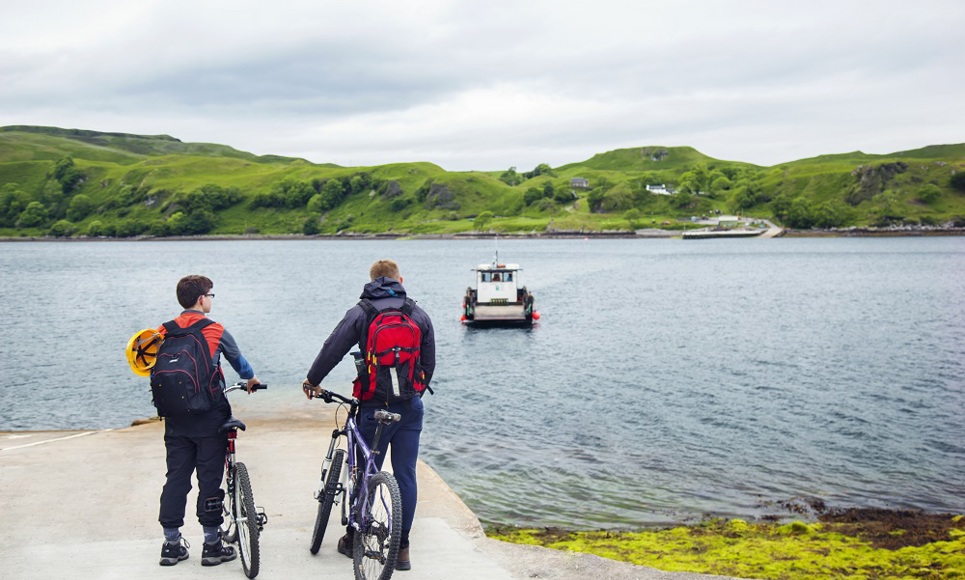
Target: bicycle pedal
{"x":262,"y":517}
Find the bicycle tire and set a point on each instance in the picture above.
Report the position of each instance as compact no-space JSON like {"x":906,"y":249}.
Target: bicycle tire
{"x":377,"y":543}
{"x":244,"y":506}
{"x":327,"y":500}
{"x":229,"y":529}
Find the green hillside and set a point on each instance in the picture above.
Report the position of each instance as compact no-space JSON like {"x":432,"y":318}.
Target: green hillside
{"x":73,"y":182}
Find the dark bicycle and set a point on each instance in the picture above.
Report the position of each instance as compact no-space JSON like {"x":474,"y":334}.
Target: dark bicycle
{"x":243,"y":520}
{"x":374,"y":505}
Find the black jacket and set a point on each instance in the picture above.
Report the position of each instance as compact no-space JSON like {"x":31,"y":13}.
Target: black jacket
{"x":383,"y":293}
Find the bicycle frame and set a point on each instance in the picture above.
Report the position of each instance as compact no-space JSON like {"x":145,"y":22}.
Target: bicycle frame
{"x":351,"y":482}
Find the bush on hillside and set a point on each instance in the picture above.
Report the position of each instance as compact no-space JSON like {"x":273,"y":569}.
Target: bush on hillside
{"x":929,"y":193}
{"x":482,"y":220}
{"x":34,"y":215}
{"x":957,"y":180}
{"x":62,"y":229}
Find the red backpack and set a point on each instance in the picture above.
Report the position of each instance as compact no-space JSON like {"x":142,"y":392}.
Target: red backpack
{"x":390,"y":343}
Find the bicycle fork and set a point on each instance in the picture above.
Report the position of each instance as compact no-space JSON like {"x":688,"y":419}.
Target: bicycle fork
{"x":326,"y":465}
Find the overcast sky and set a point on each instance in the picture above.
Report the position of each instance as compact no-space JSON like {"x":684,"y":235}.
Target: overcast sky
{"x":491,"y":84}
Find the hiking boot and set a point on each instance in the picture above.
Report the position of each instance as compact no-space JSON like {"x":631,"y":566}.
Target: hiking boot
{"x":217,"y":553}
{"x":402,"y":560}
{"x":345,"y":545}
{"x":171,"y":554}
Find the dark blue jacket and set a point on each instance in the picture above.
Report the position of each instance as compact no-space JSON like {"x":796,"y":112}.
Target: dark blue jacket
{"x":383,"y":293}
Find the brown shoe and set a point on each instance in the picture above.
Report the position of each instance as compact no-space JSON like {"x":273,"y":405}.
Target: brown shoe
{"x":345,"y":545}
{"x":402,"y":560}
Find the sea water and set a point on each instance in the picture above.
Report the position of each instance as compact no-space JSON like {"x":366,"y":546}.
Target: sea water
{"x":664,"y":381}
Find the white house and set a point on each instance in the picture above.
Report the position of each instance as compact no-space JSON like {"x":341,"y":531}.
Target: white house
{"x":660,"y":189}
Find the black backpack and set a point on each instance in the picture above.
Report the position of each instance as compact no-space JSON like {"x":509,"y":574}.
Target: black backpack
{"x":184,"y":381}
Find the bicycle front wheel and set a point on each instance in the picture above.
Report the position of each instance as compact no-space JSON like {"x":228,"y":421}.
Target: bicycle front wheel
{"x":247,"y":521}
{"x":327,"y":499}
{"x":380,"y":517}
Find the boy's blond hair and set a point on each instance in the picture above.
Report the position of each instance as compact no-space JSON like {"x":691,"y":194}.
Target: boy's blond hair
{"x":386,"y":268}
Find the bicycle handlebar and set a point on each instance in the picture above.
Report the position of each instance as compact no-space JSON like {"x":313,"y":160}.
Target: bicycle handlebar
{"x":244,"y":385}
{"x":329,"y":396}
{"x":381,"y":415}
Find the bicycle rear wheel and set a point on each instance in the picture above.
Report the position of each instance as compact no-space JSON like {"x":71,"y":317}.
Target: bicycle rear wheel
{"x":327,"y":499}
{"x":247,"y":521}
{"x":380,"y":516}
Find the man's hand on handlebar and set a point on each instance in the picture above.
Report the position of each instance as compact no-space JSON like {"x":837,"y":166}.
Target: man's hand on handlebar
{"x":311,"y":391}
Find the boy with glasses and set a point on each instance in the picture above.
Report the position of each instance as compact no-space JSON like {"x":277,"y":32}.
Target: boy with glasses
{"x":195,"y":443}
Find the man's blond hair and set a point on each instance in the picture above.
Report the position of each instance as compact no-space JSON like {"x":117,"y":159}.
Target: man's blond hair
{"x":386,"y":268}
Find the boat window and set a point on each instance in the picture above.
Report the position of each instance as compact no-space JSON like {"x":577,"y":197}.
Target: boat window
{"x":496,"y":277}
{"x":509,"y":277}
{"x":484,"y":276}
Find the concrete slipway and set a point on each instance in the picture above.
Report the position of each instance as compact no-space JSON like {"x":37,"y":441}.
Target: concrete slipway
{"x":83,"y":504}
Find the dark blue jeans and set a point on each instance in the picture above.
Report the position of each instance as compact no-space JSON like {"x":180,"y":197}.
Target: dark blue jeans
{"x":184,"y":456}
{"x":404,"y":439}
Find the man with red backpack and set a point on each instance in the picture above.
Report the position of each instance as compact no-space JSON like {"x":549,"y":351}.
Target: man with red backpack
{"x":396,"y":339}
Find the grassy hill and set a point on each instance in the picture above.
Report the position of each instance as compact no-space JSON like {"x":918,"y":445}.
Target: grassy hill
{"x":72,"y":182}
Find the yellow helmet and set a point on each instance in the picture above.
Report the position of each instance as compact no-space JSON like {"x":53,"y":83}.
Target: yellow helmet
{"x":142,"y":350}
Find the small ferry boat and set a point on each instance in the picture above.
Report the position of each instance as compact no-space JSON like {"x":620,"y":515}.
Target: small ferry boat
{"x":498,"y":298}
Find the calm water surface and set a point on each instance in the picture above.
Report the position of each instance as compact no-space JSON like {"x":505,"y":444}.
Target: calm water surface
{"x":666,"y":378}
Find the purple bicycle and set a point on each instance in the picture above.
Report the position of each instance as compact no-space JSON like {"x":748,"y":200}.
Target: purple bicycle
{"x":374,"y":505}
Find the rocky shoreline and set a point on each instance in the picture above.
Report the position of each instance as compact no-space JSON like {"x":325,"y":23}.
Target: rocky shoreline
{"x":871,"y":232}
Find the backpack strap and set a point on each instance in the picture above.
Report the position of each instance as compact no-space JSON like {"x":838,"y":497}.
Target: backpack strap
{"x":171,"y":327}
{"x":370,"y":313}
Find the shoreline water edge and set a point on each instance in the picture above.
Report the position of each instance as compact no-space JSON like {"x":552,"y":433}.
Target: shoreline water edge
{"x":872,"y":232}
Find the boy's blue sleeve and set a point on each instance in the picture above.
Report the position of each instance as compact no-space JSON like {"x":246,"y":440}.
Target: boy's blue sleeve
{"x":237,"y":361}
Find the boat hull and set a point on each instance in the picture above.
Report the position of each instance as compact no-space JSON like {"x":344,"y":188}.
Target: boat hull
{"x":501,"y":315}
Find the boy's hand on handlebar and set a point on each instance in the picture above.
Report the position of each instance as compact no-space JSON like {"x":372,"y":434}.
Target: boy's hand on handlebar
{"x":252,"y":382}
{"x":311,"y":391}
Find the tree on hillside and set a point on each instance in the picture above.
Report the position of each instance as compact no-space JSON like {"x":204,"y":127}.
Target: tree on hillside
{"x":799,"y":214}
{"x":359,"y":183}
{"x":830,"y":214}
{"x":66,"y":174}
{"x":80,"y":207}
{"x":532,"y":195}
{"x":564,"y":195}
{"x":332,"y":194}
{"x":747,"y":195}
{"x":33,"y":216}
{"x":929,"y":193}
{"x":210,"y":197}
{"x":482,"y":220}
{"x":957,"y":180}
{"x":632,"y":216}
{"x":720,"y":184}
{"x":12,"y":202}
{"x":62,"y":229}
{"x":510,"y":177}
{"x":541,"y":169}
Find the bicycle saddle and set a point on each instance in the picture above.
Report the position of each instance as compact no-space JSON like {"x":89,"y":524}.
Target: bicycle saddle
{"x":232,"y":423}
